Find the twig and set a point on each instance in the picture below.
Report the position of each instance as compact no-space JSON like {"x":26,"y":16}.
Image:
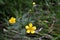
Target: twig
{"x":51,"y":28}
{"x":12,"y":31}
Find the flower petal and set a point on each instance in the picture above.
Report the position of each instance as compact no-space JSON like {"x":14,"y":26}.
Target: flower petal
{"x":12,"y":18}
{"x":30,"y":24}
{"x":32,"y":32}
{"x":26,"y":27}
{"x":34,"y":27}
{"x":28,"y":31}
{"x":12,"y":21}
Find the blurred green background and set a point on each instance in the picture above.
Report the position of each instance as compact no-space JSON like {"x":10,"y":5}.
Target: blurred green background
{"x":44,"y":14}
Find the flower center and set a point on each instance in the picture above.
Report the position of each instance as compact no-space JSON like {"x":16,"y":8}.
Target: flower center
{"x":30,"y":28}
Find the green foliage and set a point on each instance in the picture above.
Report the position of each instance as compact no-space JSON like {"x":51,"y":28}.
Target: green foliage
{"x":44,"y":14}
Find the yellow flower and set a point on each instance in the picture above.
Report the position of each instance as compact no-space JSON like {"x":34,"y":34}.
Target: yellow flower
{"x":12,"y":20}
{"x":34,"y":3}
{"x":30,"y":28}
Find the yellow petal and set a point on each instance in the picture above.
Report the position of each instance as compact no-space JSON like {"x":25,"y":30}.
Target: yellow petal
{"x":12,"y":20}
{"x":30,"y":24}
{"x":28,"y":31}
{"x":34,"y":28}
{"x":26,"y":27}
{"x":32,"y":32}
